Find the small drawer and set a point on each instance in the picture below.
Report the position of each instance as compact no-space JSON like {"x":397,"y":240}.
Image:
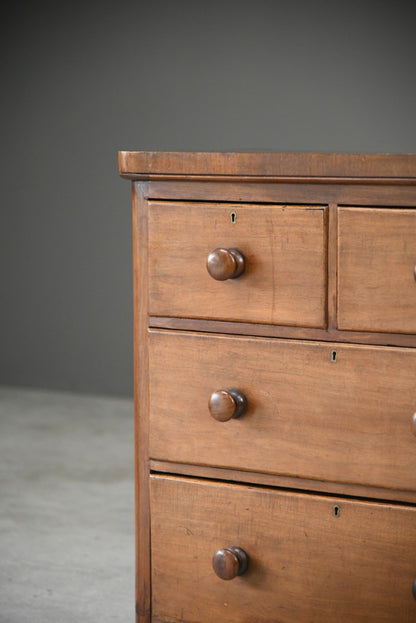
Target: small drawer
{"x":377,"y":270}
{"x":333,"y":412}
{"x":307,"y":557}
{"x":279,"y":276}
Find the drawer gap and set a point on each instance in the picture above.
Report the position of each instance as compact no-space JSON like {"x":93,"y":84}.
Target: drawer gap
{"x":300,"y":490}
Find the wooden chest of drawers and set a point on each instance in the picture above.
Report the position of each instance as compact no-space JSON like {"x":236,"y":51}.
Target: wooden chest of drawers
{"x":275,"y":387}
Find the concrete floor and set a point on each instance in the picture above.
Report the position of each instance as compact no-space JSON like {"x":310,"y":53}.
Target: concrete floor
{"x":66,"y":508}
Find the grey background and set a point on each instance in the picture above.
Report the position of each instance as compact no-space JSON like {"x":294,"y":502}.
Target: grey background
{"x":82,"y":80}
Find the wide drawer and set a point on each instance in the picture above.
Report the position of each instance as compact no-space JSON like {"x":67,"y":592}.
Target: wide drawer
{"x":284,"y":251}
{"x":376,"y":269}
{"x":311,"y":558}
{"x":332,"y":412}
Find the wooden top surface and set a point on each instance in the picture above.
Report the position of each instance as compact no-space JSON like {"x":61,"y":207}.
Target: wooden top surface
{"x":149,"y":164}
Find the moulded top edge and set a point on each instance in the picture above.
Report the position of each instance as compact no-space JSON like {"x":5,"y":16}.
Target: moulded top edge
{"x":266,"y":164}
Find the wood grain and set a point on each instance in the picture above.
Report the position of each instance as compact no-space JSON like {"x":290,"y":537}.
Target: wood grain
{"x":278,"y":191}
{"x":329,"y":244}
{"x":140,"y":288}
{"x":226,"y":404}
{"x":230,"y":562}
{"x":272,"y":164}
{"x":284,"y":280}
{"x":332,"y":266}
{"x":308,"y":561}
{"x":376,"y":283}
{"x":348,"y":420}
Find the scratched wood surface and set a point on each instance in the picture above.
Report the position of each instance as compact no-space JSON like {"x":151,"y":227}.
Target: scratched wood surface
{"x":307,"y":560}
{"x":348,"y":420}
{"x":377,"y":269}
{"x":284,"y":281}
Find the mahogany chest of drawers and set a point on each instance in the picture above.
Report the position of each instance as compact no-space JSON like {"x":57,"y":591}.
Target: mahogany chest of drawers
{"x":275,"y":386}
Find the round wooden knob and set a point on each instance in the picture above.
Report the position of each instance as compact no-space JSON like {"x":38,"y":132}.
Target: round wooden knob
{"x":230,"y":562}
{"x":226,"y":404}
{"x":225,"y":264}
{"x":414,"y":423}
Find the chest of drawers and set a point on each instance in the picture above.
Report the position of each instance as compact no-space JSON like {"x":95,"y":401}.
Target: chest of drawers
{"x":275,"y":386}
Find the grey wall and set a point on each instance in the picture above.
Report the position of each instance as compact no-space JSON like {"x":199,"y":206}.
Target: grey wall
{"x":82,"y":80}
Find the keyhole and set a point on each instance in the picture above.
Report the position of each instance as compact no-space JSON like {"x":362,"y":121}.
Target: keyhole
{"x":334,"y":355}
{"x":233,"y":217}
{"x":336,"y":511}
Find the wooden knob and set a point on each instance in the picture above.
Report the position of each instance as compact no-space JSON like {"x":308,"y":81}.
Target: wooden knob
{"x":230,"y":562}
{"x":226,"y":404}
{"x":414,"y":423}
{"x":225,"y":264}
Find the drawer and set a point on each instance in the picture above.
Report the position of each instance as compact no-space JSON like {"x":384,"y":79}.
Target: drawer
{"x":376,"y":270}
{"x":284,"y":251}
{"x":333,"y":412}
{"x":310,"y":558}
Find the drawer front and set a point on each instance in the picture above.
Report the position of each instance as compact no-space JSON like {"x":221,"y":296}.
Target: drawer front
{"x":376,"y":270}
{"x":284,"y":251}
{"x":308,"y":561}
{"x":348,"y":420}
